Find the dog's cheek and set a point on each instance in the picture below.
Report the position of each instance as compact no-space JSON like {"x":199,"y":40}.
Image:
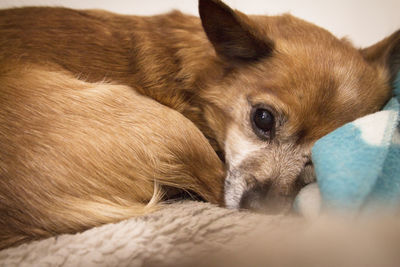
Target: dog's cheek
{"x":237,"y":146}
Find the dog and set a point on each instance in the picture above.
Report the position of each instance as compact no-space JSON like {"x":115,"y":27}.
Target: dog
{"x":102,"y":116}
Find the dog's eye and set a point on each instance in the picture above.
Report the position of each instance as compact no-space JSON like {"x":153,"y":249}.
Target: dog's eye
{"x":263,"y":119}
{"x":263,"y":122}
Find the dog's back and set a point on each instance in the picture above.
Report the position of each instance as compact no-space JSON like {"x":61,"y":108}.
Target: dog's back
{"x":154,"y":54}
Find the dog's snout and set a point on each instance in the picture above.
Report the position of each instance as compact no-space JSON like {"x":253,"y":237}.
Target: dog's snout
{"x":254,"y":198}
{"x":263,"y":198}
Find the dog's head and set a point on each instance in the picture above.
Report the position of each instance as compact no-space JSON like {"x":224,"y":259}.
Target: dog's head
{"x":286,"y":84}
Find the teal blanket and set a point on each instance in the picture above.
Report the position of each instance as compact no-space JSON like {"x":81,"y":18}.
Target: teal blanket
{"x":358,"y":165}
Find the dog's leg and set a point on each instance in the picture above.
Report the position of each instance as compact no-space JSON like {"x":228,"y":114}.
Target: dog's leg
{"x":75,"y":155}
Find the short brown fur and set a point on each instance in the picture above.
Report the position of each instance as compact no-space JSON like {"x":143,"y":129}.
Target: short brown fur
{"x":98,"y":110}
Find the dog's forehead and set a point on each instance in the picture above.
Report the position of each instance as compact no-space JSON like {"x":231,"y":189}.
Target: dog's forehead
{"x":323,"y":95}
{"x":319,"y":96}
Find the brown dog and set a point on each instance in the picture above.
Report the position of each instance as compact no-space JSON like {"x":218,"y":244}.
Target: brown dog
{"x":100,"y":112}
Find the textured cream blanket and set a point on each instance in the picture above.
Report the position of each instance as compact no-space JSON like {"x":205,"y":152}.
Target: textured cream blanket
{"x":199,"y":234}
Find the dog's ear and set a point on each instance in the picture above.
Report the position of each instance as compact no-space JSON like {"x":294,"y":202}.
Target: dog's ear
{"x":232,"y":34}
{"x":385,"y":53}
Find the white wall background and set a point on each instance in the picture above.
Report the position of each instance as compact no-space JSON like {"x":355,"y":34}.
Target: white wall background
{"x":363,"y":21}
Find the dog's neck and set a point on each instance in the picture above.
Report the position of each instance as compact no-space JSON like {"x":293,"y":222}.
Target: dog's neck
{"x":173,"y":61}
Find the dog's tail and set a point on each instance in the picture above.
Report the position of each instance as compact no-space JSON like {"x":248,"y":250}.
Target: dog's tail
{"x":77,"y":216}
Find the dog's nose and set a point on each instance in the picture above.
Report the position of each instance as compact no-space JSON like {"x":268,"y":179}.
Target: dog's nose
{"x":254,"y":198}
{"x":260,"y":198}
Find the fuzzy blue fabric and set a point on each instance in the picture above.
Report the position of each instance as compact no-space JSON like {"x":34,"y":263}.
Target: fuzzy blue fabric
{"x":358,"y":165}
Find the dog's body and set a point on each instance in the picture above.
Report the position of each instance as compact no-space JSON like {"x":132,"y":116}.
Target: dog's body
{"x":91,"y":107}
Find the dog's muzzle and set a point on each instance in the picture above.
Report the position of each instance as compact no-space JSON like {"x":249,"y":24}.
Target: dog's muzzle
{"x":261,"y":198}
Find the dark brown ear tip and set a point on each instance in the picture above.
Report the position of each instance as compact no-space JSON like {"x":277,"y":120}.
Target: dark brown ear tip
{"x":205,"y":5}
{"x":210,"y":2}
{"x":231,"y":34}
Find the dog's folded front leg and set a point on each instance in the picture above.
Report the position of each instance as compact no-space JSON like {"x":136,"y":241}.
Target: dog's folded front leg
{"x":75,"y":155}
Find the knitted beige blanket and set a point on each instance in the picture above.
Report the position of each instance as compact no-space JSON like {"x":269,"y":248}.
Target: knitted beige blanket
{"x":199,"y":234}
